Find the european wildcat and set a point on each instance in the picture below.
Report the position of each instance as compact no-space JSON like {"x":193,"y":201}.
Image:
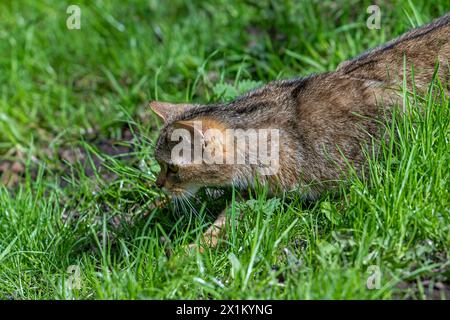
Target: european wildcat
{"x":323,"y":120}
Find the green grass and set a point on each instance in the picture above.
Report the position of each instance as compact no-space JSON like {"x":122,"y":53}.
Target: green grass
{"x":73,"y":112}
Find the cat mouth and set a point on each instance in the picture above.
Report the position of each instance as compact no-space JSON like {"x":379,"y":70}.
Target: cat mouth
{"x":179,"y":192}
{"x":209,"y":192}
{"x":174,"y":192}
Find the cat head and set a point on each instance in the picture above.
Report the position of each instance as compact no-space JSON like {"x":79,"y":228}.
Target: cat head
{"x":180,"y":140}
{"x":198,"y":148}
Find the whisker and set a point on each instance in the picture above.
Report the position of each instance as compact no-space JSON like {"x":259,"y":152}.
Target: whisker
{"x":189,"y":204}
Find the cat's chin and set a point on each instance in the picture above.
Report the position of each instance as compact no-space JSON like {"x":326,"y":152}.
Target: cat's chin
{"x":188,"y":192}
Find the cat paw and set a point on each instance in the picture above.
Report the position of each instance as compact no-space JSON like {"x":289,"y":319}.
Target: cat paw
{"x":193,"y":247}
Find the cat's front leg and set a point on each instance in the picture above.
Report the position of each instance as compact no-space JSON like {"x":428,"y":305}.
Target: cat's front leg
{"x":217,"y":231}
{"x":213,"y":234}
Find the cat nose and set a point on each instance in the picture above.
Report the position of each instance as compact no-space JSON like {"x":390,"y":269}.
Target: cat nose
{"x":160,"y":182}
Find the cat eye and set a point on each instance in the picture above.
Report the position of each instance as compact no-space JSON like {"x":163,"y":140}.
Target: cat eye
{"x":173,"y":168}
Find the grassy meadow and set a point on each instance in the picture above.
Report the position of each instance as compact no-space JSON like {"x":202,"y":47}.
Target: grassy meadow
{"x":77,"y":198}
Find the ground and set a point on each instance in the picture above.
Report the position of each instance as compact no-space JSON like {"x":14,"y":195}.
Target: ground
{"x":78,"y":218}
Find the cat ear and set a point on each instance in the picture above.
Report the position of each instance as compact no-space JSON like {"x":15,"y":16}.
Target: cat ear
{"x":166,"y":111}
{"x":193,"y":126}
{"x":200,"y":125}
